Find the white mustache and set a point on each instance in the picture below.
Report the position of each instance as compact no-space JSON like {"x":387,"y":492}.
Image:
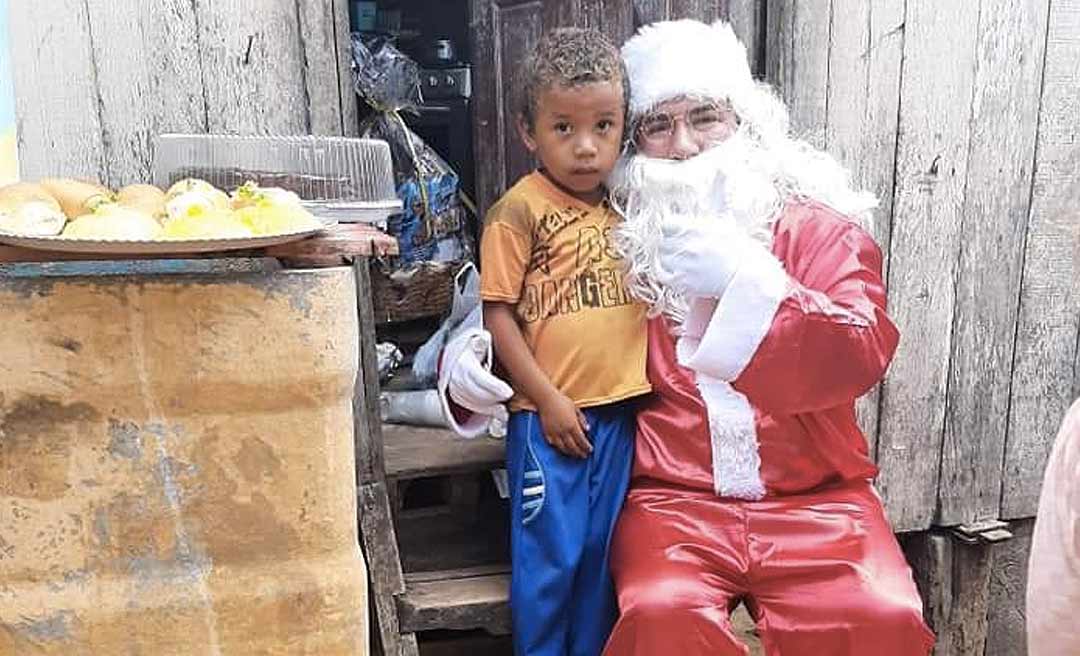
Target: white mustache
{"x":728,"y":180}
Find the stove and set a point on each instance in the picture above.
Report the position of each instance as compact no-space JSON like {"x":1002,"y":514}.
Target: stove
{"x":445,"y":118}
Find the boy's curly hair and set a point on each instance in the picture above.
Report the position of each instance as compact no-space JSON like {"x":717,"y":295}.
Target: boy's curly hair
{"x":568,"y":57}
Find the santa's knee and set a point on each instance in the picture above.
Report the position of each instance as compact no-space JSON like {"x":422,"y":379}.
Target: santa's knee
{"x":656,"y":623}
{"x":659,"y":604}
{"x":884,"y":615}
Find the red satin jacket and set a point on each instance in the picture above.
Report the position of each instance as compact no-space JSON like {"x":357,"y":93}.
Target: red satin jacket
{"x":828,"y":341}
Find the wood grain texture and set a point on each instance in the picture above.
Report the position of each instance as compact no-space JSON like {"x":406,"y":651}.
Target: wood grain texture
{"x":865,"y":55}
{"x":415,"y":452}
{"x":97,"y":80}
{"x":1046,"y":337}
{"x":384,"y":569}
{"x":615,"y":18}
{"x":797,"y":62}
{"x":322,"y":45}
{"x":149,"y":81}
{"x":650,"y":11}
{"x":56,"y":108}
{"x":1008,"y":78}
{"x":954,"y":581}
{"x":932,"y":158}
{"x":458,"y":603}
{"x":250,"y":56}
{"x":370,"y":463}
{"x":518,"y":28}
{"x":350,"y":104}
{"x":1006,"y":632}
{"x":747,"y":18}
{"x":503,"y":31}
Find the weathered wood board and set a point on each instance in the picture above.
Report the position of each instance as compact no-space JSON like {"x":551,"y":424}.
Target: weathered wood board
{"x":96,"y":81}
{"x":1008,"y":78}
{"x":1044,"y":373}
{"x":865,"y":53}
{"x":931,"y":172}
{"x":797,"y":48}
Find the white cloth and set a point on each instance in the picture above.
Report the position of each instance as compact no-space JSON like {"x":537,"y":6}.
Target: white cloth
{"x":465,"y":377}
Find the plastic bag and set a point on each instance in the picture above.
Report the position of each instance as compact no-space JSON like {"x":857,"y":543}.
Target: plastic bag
{"x":385,"y":77}
{"x":388,"y":357}
{"x":432,"y":225}
{"x":412,"y":407}
{"x":465,"y":309}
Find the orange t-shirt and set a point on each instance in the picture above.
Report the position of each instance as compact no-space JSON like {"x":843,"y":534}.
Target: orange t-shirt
{"x":551,"y":256}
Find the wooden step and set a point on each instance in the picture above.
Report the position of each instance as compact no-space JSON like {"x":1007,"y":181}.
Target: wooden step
{"x":471,"y":598}
{"x":417,"y":451}
{"x":477,"y":598}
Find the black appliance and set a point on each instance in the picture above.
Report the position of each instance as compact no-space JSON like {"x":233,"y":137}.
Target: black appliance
{"x":445,"y":118}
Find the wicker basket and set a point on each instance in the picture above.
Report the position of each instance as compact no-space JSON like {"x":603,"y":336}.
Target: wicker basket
{"x":425,"y":289}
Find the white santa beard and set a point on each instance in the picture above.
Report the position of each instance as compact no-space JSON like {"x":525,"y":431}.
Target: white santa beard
{"x":731,"y":181}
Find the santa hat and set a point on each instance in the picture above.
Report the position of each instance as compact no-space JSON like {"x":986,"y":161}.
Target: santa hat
{"x":670,"y":59}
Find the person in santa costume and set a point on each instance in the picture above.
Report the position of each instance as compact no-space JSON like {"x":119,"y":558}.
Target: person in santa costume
{"x":751,"y":481}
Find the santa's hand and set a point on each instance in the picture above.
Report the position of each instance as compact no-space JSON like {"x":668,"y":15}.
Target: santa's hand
{"x":471,"y":385}
{"x":699,"y":256}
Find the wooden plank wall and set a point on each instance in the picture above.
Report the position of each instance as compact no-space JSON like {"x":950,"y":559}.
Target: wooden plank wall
{"x":962,"y":118}
{"x":861,"y":118}
{"x":132,"y":69}
{"x":1046,"y":336}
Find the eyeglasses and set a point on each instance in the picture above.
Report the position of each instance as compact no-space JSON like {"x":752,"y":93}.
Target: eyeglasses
{"x":708,"y":120}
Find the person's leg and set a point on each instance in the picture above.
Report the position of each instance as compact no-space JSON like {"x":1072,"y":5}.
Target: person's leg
{"x":828,"y":577}
{"x":611,"y":431}
{"x":678,"y":558}
{"x":548,"y":520}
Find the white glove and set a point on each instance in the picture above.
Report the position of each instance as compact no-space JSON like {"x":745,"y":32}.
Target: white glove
{"x":700,"y":256}
{"x":465,"y":378}
{"x":472,"y":385}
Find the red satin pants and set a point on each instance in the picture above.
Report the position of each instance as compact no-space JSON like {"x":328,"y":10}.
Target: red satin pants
{"x":821,"y":573}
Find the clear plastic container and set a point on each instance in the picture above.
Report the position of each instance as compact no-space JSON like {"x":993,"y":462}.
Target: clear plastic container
{"x":342,"y":178}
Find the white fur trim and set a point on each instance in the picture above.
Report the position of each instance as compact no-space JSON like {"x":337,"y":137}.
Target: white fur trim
{"x":685,"y":57}
{"x":736,"y":461}
{"x":476,"y":424}
{"x":741,"y":320}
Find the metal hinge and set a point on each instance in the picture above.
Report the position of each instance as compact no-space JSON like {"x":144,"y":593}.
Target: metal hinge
{"x":988,"y":531}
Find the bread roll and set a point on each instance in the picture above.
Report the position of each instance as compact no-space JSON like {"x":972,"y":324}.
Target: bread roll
{"x":212,"y":224}
{"x":28,"y":209}
{"x":144,"y":198}
{"x":76,"y":197}
{"x":113,"y":221}
{"x":217,"y":197}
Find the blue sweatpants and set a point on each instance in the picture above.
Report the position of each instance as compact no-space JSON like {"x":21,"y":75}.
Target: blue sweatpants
{"x":562,"y":514}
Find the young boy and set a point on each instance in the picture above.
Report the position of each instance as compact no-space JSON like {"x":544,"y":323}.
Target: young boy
{"x":572,"y":342}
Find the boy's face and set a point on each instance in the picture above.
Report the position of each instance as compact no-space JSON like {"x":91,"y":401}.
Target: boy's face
{"x":577,"y":135}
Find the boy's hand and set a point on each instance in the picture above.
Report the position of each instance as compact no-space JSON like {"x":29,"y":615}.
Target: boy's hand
{"x":565,"y":427}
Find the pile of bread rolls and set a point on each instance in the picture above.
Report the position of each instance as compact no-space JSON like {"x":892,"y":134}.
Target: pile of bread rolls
{"x":189,"y":209}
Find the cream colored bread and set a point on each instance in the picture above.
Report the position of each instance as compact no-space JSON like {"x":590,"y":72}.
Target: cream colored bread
{"x":76,"y":197}
{"x":144,"y":198}
{"x":29,"y":209}
{"x":113,"y":221}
